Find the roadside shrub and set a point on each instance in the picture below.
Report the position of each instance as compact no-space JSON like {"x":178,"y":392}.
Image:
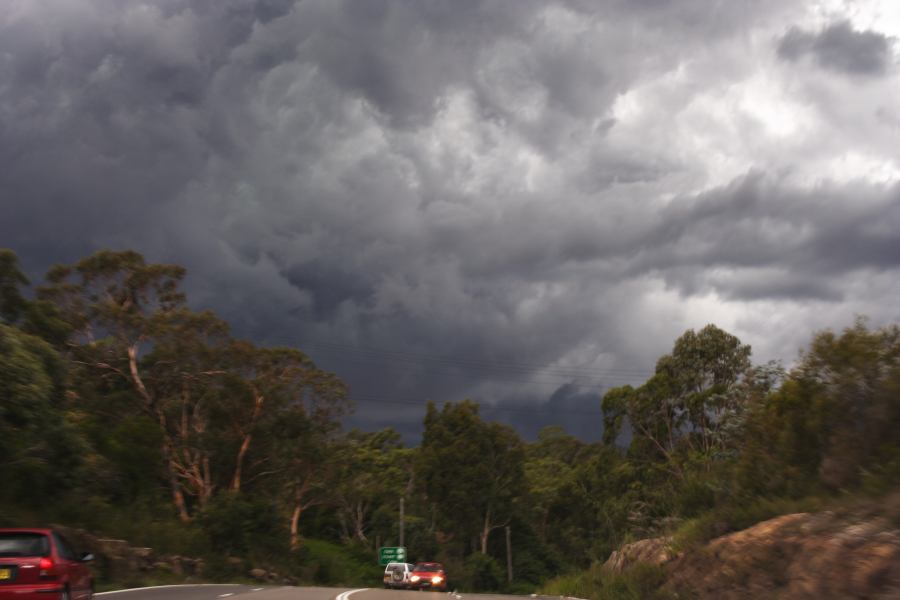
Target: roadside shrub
{"x":640,"y":582}
{"x":240,"y":526}
{"x":482,"y":573}
{"x":326,"y":563}
{"x":734,"y":517}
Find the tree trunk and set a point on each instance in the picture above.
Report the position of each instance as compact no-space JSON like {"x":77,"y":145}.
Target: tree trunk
{"x":150,"y":407}
{"x":177,"y":495}
{"x":242,"y":452}
{"x":359,"y":522}
{"x":172,"y":470}
{"x":136,"y":378}
{"x":295,"y":520}
{"x":245,"y":443}
{"x":542,"y":528}
{"x":208,"y":487}
{"x":485,"y":532}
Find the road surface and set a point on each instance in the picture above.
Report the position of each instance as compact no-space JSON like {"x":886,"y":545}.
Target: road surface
{"x":248,"y":592}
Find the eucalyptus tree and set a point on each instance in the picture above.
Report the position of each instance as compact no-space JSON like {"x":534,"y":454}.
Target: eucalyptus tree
{"x":12,"y":279}
{"x":549,"y":468}
{"x":373,"y":469}
{"x":833,"y":421}
{"x":183,"y":373}
{"x":38,"y":447}
{"x":115,"y":305}
{"x":682,"y":411}
{"x":300,"y":444}
{"x":470,"y":470}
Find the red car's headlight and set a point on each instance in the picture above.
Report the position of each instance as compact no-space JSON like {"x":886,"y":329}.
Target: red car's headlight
{"x":437,"y":579}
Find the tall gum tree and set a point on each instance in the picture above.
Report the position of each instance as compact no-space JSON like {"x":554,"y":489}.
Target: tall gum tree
{"x":470,"y":470}
{"x":183,"y":372}
{"x":301,"y":440}
{"x":12,"y":302}
{"x":687,"y":405}
{"x":117,"y":306}
{"x":372,"y":469}
{"x":265,"y":382}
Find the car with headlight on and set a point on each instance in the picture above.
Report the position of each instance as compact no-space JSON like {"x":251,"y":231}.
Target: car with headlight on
{"x":39,"y":564}
{"x":428,"y":576}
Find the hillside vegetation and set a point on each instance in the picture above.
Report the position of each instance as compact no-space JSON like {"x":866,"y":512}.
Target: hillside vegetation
{"x":129,"y":414}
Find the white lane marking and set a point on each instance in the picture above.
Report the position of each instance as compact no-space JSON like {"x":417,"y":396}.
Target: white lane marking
{"x":346,"y":595}
{"x":257,"y":589}
{"x":226,"y":595}
{"x":159,"y":587}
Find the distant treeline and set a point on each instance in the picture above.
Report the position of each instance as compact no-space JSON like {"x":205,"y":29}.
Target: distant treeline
{"x":126,"y":412}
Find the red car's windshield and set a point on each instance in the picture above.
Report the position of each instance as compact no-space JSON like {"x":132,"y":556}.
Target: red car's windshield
{"x":429,"y":567}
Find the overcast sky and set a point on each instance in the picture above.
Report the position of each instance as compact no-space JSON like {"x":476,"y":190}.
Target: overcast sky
{"x":520,"y":202}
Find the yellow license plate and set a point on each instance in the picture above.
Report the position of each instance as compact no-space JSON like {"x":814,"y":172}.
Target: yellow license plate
{"x":5,"y":574}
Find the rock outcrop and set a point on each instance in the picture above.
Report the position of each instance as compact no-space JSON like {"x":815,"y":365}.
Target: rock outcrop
{"x":116,"y":560}
{"x":656,"y":551}
{"x":800,"y":556}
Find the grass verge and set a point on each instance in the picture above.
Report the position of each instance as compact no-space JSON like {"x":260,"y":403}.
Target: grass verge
{"x":640,"y":582}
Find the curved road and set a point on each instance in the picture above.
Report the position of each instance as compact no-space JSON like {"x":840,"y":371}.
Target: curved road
{"x":247,"y":592}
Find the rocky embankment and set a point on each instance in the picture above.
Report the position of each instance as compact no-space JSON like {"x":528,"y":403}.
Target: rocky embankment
{"x":800,"y":556}
{"x":116,"y":561}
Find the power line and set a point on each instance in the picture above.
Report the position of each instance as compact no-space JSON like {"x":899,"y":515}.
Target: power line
{"x":463,"y":361}
{"x":486,"y":407}
{"x":394,"y":356}
{"x":354,"y":363}
{"x":353,"y":357}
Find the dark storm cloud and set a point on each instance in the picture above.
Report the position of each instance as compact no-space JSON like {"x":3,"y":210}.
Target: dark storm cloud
{"x":429,"y":180}
{"x":839,"y":48}
{"x":777,"y":242}
{"x":570,"y":407}
{"x":401,"y":56}
{"x":330,"y":286}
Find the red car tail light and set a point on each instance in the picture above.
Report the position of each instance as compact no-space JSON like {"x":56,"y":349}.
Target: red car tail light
{"x":46,"y":568}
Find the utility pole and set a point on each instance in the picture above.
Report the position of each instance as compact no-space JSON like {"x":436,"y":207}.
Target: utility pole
{"x":509,"y":574}
{"x":401,"y":523}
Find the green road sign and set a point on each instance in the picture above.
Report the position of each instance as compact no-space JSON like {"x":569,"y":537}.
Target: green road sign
{"x":391,"y":554}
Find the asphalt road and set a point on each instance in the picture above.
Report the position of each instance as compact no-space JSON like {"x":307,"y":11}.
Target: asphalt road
{"x":246,"y":592}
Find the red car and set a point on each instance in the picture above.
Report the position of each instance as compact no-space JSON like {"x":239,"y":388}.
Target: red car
{"x":428,"y":575}
{"x":38,"y":564}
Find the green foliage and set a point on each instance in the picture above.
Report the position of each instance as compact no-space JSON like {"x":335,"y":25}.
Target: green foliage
{"x":883,"y":476}
{"x":683,"y":414}
{"x":12,"y":303}
{"x":372,"y":469}
{"x":325,"y":563}
{"x":42,"y":452}
{"x":237,"y":525}
{"x":482,"y":573}
{"x":640,"y":582}
{"x":833,"y":423}
{"x":727,"y":518}
{"x":471,"y":471}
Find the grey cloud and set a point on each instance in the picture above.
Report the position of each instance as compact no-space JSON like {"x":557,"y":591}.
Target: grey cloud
{"x":784,"y":285}
{"x":329,"y":286}
{"x":814,"y":236}
{"x":574,"y":409}
{"x":355,"y":172}
{"x":839,"y":48}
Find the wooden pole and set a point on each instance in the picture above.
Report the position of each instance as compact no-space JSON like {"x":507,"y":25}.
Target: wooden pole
{"x":509,"y":573}
{"x":401,"y":523}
